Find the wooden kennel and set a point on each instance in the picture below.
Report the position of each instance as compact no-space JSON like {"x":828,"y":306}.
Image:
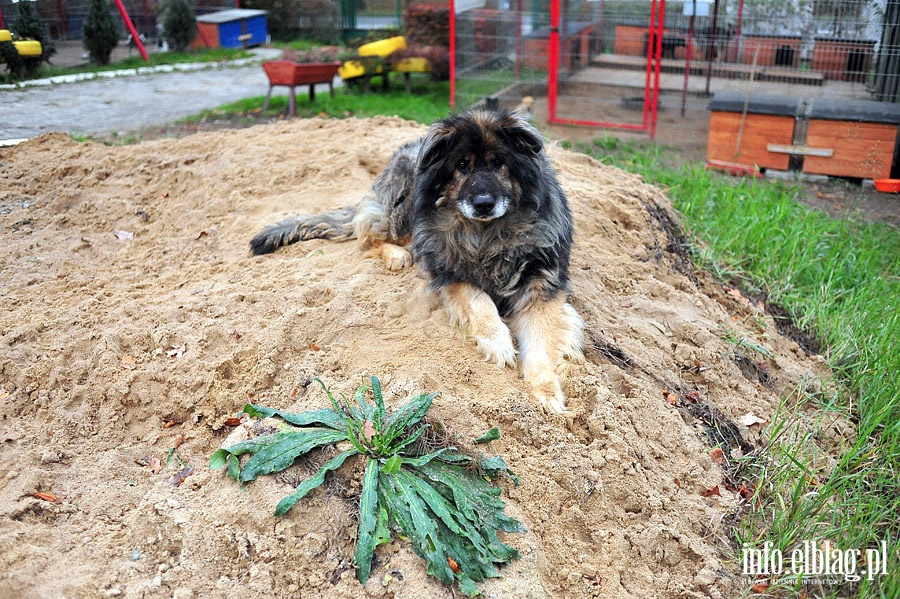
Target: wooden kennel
{"x":742,"y":127}
{"x":862,"y":135}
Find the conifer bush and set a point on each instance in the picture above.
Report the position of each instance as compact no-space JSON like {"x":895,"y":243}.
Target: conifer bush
{"x":101,"y":35}
{"x":180,"y":25}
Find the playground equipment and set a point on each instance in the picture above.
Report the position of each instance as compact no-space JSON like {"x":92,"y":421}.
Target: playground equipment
{"x":29,"y":51}
{"x":372,"y":63}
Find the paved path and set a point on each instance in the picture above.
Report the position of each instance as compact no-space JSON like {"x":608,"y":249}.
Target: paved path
{"x":126,"y":103}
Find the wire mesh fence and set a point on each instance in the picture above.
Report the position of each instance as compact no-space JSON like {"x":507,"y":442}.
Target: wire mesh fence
{"x":810,"y":48}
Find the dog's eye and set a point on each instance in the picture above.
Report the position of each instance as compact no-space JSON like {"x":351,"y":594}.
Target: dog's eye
{"x":498,"y":162}
{"x":462,"y":166}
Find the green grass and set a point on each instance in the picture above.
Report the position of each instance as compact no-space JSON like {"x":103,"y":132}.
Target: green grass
{"x":427,"y":102}
{"x":136,"y":62}
{"x":841,"y":280}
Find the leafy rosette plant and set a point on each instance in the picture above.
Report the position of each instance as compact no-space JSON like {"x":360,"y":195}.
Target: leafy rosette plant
{"x":443,"y":500}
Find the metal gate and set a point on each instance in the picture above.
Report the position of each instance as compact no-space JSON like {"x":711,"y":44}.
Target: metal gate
{"x":545,"y":56}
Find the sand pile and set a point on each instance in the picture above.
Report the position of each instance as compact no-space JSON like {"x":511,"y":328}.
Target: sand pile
{"x":135,"y":321}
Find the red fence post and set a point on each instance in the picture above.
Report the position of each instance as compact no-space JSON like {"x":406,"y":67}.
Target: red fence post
{"x":452,"y":54}
{"x":132,"y":30}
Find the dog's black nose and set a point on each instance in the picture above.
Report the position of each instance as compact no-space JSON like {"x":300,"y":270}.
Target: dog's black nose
{"x":483,"y":204}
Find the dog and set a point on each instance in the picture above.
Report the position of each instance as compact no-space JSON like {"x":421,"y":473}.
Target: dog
{"x":476,"y":203}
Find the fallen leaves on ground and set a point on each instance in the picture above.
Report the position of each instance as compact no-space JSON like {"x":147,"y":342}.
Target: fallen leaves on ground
{"x":749,"y":419}
{"x":179,"y":477}
{"x":710,"y":492}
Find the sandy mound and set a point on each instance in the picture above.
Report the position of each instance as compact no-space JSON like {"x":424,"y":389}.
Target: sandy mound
{"x":107,"y":337}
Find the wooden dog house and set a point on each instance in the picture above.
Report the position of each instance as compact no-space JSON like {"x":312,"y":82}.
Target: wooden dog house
{"x":740,"y":140}
{"x":232,"y":28}
{"x":861,"y":133}
{"x":772,"y":50}
{"x":843,"y":59}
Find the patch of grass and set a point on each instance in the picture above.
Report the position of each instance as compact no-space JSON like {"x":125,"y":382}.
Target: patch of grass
{"x":841,"y":280}
{"x":428,"y":102}
{"x":156,"y":59}
{"x":431,"y":493}
{"x":299,"y":45}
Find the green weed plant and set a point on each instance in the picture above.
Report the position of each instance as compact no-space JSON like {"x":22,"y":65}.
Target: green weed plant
{"x":443,"y":500}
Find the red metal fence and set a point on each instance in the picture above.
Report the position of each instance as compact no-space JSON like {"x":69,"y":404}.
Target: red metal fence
{"x":595,"y":63}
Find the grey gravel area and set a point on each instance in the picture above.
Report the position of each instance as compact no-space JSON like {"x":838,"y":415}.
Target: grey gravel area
{"x":126,"y":103}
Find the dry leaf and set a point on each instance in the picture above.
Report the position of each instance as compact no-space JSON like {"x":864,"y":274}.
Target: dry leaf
{"x":45,"y":496}
{"x":744,"y":491}
{"x":294,"y":392}
{"x":670,"y":397}
{"x":314,"y":347}
{"x":760,"y":587}
{"x":749,"y":419}
{"x":368,"y":431}
{"x":693,"y":396}
{"x":169,"y":424}
{"x":453,"y":565}
{"x":128,"y":361}
{"x":155,"y":465}
{"x":736,"y":294}
{"x":711,"y":492}
{"x":232,"y":421}
{"x":179,"y":477}
{"x":178,"y":441}
{"x":717,"y":455}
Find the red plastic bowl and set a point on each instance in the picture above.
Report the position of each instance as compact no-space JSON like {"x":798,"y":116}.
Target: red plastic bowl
{"x":888,"y":185}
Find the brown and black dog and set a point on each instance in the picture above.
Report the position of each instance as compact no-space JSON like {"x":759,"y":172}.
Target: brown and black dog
{"x":477,"y":204}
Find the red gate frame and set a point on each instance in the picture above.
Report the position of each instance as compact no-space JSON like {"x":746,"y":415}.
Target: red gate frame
{"x":651,"y":83}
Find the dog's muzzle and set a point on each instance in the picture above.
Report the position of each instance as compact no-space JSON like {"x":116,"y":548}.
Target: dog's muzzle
{"x":484,"y":207}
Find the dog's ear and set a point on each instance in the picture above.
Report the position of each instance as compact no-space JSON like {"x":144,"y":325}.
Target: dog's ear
{"x":522,"y":137}
{"x":438,"y":143}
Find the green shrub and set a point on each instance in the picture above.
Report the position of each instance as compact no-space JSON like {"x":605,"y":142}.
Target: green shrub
{"x":29,"y":25}
{"x":10,"y":57}
{"x":425,"y":490}
{"x":100,"y":33}
{"x":427,"y":24}
{"x":179,"y":25}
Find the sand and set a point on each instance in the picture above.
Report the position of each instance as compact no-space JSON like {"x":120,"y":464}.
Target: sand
{"x":135,"y":321}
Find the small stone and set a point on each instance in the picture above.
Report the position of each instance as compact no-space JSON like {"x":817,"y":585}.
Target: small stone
{"x":49,"y":457}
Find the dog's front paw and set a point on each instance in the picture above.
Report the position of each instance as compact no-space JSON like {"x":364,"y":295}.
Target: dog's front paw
{"x":548,"y":390}
{"x":395,"y":257}
{"x":497,"y":346}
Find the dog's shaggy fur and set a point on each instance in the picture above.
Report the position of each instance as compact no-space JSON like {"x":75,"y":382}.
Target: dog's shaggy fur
{"x":477,"y":204}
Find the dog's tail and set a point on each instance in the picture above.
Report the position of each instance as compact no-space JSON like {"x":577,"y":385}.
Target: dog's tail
{"x":337,"y":225}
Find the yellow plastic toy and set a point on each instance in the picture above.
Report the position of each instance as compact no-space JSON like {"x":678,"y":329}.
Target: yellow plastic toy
{"x":383,"y":48}
{"x":25,"y":48}
{"x":352,"y":69}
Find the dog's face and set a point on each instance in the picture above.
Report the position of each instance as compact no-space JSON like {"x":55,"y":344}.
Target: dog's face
{"x":477,"y":163}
